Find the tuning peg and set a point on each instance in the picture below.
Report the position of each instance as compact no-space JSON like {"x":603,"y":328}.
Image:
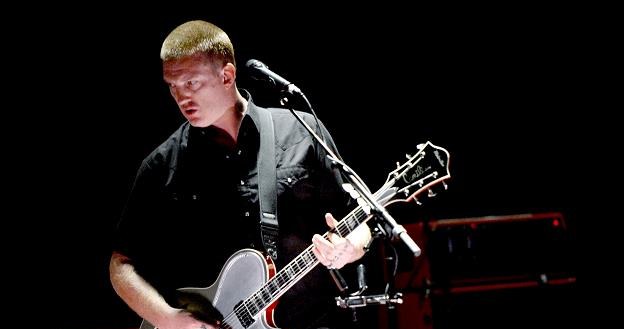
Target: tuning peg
{"x":408,"y":156}
{"x":420,"y":146}
{"x":417,"y":202}
{"x":445,"y":186}
{"x":430,"y":193}
{"x":398,"y":164}
{"x":406,"y":192}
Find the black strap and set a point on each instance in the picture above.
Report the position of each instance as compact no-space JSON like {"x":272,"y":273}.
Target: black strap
{"x":267,"y":183}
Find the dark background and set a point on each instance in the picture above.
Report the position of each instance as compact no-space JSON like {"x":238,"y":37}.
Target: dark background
{"x":487,"y":84}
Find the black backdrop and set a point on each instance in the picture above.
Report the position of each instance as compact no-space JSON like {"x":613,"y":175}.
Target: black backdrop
{"x":485,"y":84}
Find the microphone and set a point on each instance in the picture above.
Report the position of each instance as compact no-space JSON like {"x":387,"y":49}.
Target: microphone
{"x":259,"y":71}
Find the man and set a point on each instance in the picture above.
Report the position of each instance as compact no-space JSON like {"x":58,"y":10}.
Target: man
{"x":195,"y":197}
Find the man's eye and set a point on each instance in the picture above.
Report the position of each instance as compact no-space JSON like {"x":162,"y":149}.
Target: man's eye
{"x":193,"y":84}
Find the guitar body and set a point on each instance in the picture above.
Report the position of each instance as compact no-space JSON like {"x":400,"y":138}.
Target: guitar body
{"x":243,"y":274}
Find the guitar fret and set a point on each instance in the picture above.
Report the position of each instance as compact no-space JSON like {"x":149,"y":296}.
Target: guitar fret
{"x":287,"y":275}
{"x":274,"y":288}
{"x":251,"y":307}
{"x":254,"y":303}
{"x":290,"y":271}
{"x":298,"y":262}
{"x":360,"y":214}
{"x":266,"y":296}
{"x":306,"y":258}
{"x":345,"y":225}
{"x":280,"y":278}
{"x":349,"y":224}
{"x":259,"y":301}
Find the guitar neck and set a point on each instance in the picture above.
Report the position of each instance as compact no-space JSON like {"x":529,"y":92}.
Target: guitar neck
{"x":299,"y":267}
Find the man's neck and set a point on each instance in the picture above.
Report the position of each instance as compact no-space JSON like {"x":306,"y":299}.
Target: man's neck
{"x":232,"y":124}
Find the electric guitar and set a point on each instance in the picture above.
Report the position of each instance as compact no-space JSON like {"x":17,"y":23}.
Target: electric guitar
{"x":249,"y":285}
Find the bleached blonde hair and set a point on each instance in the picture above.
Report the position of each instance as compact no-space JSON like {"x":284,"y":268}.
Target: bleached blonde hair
{"x":195,"y":37}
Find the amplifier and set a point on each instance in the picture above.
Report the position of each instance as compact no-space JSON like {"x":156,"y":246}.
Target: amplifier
{"x":529,"y":249}
{"x":471,"y":268}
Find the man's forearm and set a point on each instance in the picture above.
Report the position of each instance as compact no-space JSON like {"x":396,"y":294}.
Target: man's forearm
{"x":140,"y":296}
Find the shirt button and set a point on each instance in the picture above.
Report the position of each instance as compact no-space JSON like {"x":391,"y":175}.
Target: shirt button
{"x":242,"y":182}
{"x":289,"y":180}
{"x":246,"y":213}
{"x":239,"y":152}
{"x":227,"y":157}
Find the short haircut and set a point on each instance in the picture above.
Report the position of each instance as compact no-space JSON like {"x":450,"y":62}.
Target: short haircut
{"x":195,"y":37}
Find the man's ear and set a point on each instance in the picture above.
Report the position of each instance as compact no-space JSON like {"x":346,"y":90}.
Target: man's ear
{"x":229,"y":74}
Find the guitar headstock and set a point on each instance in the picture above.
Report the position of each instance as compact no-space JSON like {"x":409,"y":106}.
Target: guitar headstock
{"x":428,"y":167}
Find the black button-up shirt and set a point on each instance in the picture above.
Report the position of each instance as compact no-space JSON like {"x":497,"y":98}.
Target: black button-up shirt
{"x":195,"y":202}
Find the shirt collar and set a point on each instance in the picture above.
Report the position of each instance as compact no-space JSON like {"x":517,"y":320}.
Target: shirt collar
{"x":251,"y":119}
{"x":249,"y":123}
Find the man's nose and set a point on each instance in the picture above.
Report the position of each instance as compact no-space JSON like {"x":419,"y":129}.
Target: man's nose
{"x":181,"y":94}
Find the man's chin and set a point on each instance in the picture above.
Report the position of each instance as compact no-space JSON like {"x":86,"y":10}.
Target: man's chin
{"x":197,"y":123}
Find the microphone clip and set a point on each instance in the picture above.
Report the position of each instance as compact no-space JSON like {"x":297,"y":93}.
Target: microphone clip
{"x":361,"y":301}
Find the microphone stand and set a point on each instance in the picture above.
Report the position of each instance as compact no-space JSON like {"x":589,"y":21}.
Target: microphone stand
{"x":385,"y":223}
{"x":392,"y":228}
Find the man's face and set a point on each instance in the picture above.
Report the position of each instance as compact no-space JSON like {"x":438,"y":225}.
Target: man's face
{"x":197,"y":85}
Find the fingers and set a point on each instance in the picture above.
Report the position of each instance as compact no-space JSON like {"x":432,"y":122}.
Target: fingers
{"x":323,"y":250}
{"x":319,"y":255}
{"x":334,"y":251}
{"x":335,"y":238}
{"x":330,"y":260}
{"x":330,"y":220}
{"x":332,"y":255}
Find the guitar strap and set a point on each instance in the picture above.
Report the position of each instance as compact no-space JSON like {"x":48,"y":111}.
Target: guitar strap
{"x":267,"y":183}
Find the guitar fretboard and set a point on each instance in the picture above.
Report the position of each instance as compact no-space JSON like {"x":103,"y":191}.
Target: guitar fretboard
{"x":296,"y":269}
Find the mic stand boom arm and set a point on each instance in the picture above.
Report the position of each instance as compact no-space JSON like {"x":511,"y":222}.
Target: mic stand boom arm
{"x":396,"y":230}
